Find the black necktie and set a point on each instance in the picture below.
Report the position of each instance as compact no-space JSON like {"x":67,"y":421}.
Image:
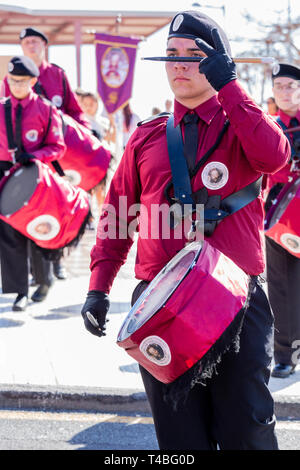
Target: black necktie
{"x":190,"y":138}
{"x":18,"y":130}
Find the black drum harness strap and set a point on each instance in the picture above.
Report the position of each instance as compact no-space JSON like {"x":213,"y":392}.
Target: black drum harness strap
{"x":15,"y":146}
{"x":215,"y":209}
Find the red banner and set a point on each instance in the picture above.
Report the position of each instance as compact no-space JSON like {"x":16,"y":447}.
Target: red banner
{"x":115,"y":57}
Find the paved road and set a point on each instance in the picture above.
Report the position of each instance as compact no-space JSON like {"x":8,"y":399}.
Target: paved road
{"x":28,"y":430}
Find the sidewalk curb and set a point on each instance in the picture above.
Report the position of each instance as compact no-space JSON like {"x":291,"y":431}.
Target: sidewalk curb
{"x":287,"y":406}
{"x":73,"y":398}
{"x":47,"y":398}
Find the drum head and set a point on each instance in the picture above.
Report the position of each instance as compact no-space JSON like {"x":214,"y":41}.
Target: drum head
{"x":18,"y":189}
{"x":160,"y":289}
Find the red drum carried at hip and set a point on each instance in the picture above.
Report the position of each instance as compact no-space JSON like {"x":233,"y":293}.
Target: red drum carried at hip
{"x":43,"y":206}
{"x":86,"y":160}
{"x":190,"y":308}
{"x":282,"y":222}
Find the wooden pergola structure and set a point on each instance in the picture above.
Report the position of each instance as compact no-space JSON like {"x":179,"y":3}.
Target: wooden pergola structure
{"x":77,"y":27}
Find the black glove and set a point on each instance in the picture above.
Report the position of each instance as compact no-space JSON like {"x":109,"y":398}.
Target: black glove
{"x":25,"y":158}
{"x":218,"y":67}
{"x":94,"y":312}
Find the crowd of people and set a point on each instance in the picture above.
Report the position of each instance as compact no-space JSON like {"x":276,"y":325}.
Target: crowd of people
{"x":233,"y":151}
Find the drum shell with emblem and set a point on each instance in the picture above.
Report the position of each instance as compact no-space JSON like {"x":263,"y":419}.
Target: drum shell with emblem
{"x":86,"y":160}
{"x":202,"y":297}
{"x":282,"y":222}
{"x":42,"y":205}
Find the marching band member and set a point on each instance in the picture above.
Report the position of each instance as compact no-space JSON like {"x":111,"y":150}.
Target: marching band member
{"x":235,"y":408}
{"x":283,"y":269}
{"x":34,"y":138}
{"x":53,"y":82}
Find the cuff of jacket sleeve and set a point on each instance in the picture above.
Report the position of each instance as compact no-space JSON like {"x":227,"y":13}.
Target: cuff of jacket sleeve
{"x":103,"y":275}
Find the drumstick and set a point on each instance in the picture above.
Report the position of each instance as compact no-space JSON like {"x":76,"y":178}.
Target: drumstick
{"x":292,"y":129}
{"x":241,"y":60}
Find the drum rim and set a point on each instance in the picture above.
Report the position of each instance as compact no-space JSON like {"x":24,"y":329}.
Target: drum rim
{"x":293,"y":186}
{"x":189,"y":247}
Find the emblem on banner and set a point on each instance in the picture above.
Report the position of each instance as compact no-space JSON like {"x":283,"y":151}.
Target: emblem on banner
{"x":114,"y":66}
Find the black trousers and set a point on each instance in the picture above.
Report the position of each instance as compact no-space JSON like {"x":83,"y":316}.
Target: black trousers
{"x":235,"y":409}
{"x":15,"y":252}
{"x":283,"y":274}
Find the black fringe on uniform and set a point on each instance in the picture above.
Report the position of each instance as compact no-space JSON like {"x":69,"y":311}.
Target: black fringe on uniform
{"x":55,"y":255}
{"x":204,"y":369}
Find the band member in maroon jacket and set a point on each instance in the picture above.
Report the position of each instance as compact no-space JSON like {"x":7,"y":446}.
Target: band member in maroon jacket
{"x":37,"y":139}
{"x":54,"y":85}
{"x":283,"y":268}
{"x":235,"y":408}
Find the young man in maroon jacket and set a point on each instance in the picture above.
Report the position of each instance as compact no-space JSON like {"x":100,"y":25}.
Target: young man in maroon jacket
{"x":283,"y":268}
{"x":235,"y":409}
{"x":37,"y":140}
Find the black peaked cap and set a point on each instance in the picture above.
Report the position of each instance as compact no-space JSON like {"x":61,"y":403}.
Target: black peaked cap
{"x":286,"y":70}
{"x":33,"y":32}
{"x":22,"y":65}
{"x":193,"y":24}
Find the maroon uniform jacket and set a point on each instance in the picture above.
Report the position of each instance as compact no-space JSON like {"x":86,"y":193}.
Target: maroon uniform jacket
{"x":46,"y":146}
{"x":253,"y":144}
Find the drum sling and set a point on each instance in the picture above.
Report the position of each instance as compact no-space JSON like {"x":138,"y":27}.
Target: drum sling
{"x":215,"y":209}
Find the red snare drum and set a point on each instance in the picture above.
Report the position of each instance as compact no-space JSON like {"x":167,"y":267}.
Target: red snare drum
{"x":185,"y":311}
{"x":282,"y":222}
{"x":86,"y":160}
{"x":43,"y":206}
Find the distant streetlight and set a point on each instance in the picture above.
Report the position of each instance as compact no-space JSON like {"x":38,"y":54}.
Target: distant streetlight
{"x":198,"y":5}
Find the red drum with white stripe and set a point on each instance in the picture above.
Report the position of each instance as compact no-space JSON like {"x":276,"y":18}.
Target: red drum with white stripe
{"x":185,"y":311}
{"x":86,"y":160}
{"x":282,"y":222}
{"x":42,"y":205}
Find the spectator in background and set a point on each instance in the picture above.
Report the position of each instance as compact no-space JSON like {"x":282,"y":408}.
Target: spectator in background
{"x":272,"y":106}
{"x":90,"y":106}
{"x":155,"y":111}
{"x":168,"y":106}
{"x":129,"y":123}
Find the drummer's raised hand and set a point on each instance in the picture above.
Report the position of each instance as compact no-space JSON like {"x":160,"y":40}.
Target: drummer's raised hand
{"x":94,"y":312}
{"x":218,"y":67}
{"x":25,"y":158}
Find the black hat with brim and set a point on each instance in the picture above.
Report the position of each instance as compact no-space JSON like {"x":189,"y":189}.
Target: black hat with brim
{"x":32,"y":32}
{"x":287,"y":70}
{"x":194,"y":24}
{"x":24,"y":66}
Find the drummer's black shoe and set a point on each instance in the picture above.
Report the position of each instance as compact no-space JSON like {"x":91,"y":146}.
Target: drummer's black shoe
{"x":41,"y":293}
{"x":283,"y":370}
{"x":59,"y":270}
{"x":20,"y":303}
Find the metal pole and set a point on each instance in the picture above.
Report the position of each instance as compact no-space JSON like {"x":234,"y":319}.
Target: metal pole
{"x":77,"y":30}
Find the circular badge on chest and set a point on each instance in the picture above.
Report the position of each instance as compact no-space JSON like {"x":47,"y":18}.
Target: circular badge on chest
{"x":32,"y":135}
{"x":215,"y":175}
{"x":57,"y":101}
